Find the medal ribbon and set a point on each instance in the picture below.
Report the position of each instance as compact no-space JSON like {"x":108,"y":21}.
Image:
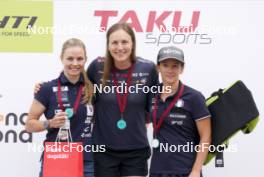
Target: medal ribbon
{"x":122,"y":100}
{"x":77,"y":101}
{"x":156,"y":125}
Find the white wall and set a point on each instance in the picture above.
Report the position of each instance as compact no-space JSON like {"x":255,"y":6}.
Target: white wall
{"x":229,"y":57}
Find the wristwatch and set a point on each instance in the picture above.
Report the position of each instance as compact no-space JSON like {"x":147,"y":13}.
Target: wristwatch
{"x":46,"y":124}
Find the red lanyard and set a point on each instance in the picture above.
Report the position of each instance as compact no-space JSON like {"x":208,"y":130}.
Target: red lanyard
{"x":156,"y":125}
{"x":77,"y":101}
{"x":122,"y":100}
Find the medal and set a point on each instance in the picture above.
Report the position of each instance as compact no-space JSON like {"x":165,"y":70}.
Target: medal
{"x":121,"y":124}
{"x":122,"y":100}
{"x":155,"y":143}
{"x":69,"y":112}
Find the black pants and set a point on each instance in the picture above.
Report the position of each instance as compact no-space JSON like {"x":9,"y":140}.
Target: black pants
{"x":115,"y":163}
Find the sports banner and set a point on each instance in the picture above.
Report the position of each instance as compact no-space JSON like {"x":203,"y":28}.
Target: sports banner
{"x":221,"y":40}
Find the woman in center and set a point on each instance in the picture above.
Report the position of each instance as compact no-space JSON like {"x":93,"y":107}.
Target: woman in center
{"x":120,"y":115}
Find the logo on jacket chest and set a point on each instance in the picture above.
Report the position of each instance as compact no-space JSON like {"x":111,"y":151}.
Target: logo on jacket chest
{"x":179,"y":103}
{"x":64,"y":93}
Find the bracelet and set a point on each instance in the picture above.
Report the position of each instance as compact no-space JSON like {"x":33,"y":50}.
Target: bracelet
{"x":46,"y":124}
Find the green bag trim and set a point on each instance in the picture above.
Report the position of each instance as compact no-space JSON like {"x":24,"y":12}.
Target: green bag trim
{"x":249,"y":127}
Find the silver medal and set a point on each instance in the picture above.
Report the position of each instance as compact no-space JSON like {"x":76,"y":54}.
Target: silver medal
{"x":155,"y":143}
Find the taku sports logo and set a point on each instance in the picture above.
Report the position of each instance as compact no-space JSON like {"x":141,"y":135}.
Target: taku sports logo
{"x":162,"y":27}
{"x":155,"y":20}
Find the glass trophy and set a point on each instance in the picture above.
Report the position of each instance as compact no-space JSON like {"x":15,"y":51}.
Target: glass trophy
{"x":65,"y":132}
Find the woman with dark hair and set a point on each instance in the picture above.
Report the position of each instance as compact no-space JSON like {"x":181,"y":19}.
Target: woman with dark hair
{"x":120,"y":114}
{"x":181,"y":122}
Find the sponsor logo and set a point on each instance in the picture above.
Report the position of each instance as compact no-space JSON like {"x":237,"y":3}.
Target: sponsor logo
{"x":180,"y":103}
{"x":178,"y":122}
{"x":16,"y":20}
{"x":63,"y":88}
{"x":155,"y":20}
{"x":180,"y":116}
{"x":13,"y":134}
{"x":162,"y":27}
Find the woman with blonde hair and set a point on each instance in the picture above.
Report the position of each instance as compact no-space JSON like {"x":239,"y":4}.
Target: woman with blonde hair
{"x":66,"y":99}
